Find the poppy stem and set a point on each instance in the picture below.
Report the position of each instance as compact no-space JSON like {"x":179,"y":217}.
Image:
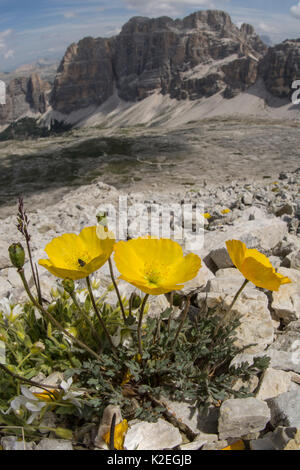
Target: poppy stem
{"x":172,"y":311}
{"x":47,"y":388}
{"x":88,"y":282}
{"x":22,"y":226}
{"x":86,"y":317}
{"x":48,"y":315}
{"x":116,"y":289}
{"x":139,"y":331}
{"x":226,"y":316}
{"x":185,"y":313}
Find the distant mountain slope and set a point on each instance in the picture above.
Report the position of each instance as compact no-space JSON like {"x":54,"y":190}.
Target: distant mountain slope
{"x":24,"y":96}
{"x":45,"y":68}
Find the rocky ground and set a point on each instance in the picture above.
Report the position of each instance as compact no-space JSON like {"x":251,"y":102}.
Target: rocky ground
{"x":263,"y":214}
{"x":147,"y":159}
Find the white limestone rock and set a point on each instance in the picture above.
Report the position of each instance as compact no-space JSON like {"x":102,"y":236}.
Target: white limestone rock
{"x":286,"y":302}
{"x":274,"y":382}
{"x":242,"y":416}
{"x":142,"y":435}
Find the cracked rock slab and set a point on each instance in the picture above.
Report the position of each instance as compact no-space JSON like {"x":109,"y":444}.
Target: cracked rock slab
{"x":285,"y":409}
{"x":242,"y":416}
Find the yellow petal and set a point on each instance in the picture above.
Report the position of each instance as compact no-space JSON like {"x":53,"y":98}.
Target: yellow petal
{"x":155,"y":266}
{"x":127,"y":260}
{"x":127,"y":377}
{"x":119,"y":437}
{"x":236,"y":250}
{"x":61,"y":272}
{"x":262,"y":275}
{"x":260,"y":257}
{"x":155,"y":290}
{"x":58,"y":250}
{"x":186,"y":269}
{"x":77,"y":256}
{"x":48,"y":396}
{"x":238,"y":445}
{"x":93,"y":243}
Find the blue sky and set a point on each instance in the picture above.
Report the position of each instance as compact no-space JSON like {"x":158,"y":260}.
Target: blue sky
{"x":35,"y":29}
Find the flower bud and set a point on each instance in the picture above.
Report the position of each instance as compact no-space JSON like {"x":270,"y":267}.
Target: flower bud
{"x":130,"y":320}
{"x":52,"y":307}
{"x":17,"y":255}
{"x":135,"y":301}
{"x":37,"y":348}
{"x":68,"y":285}
{"x":177,"y":300}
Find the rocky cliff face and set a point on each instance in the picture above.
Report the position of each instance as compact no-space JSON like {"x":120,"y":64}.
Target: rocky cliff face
{"x":198,"y":56}
{"x":85,"y":76}
{"x":280,"y":67}
{"x":23,"y":95}
{"x":188,"y":58}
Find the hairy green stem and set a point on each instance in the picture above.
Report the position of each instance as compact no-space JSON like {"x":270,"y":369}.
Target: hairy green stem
{"x":172,"y":311}
{"x":88,"y":282}
{"x":47,"y":388}
{"x":116,"y":289}
{"x":185,"y":314}
{"x":24,"y":360}
{"x":34,"y":274}
{"x":227,"y":314}
{"x":139,"y":331}
{"x":86,"y":317}
{"x":48,"y":315}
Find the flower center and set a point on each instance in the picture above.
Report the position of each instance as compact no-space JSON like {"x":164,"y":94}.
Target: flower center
{"x":155,"y":275}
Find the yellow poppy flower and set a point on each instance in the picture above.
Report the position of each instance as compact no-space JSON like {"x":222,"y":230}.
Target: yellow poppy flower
{"x":238,"y":445}
{"x":226,"y":211}
{"x":77,"y":256}
{"x":48,"y":396}
{"x":206,"y":215}
{"x":120,"y":432}
{"x":255,"y":266}
{"x":155,"y":266}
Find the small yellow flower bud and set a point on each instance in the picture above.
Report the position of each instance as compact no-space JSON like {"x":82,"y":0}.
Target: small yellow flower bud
{"x":17,"y":255}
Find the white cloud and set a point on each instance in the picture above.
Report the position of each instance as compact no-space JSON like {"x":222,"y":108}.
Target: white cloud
{"x":3,"y":35}
{"x":295,"y":10}
{"x":167,"y":7}
{"x":9,"y":54}
{"x":5,"y":50}
{"x":70,"y":14}
{"x":278,"y":26}
{"x":266,"y":28}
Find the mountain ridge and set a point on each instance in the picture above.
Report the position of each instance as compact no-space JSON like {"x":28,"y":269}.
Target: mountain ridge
{"x":190,"y":59}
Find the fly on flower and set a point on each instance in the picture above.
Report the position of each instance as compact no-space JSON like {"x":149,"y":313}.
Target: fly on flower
{"x":77,"y":256}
